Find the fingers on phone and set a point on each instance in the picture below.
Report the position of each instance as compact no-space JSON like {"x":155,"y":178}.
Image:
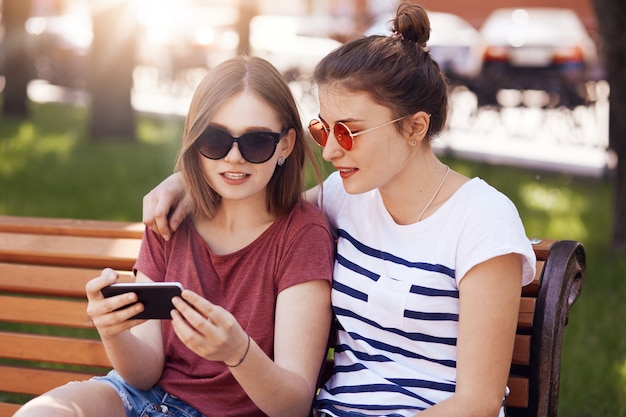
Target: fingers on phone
{"x":124,"y":305}
{"x":93,"y":286}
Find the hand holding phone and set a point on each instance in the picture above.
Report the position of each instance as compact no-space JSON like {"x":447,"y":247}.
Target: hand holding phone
{"x":156,"y":297}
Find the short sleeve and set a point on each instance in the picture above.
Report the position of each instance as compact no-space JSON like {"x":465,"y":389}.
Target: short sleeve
{"x":493,"y":228}
{"x":309,"y":256}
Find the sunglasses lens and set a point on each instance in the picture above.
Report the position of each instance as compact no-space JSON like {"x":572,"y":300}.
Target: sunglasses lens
{"x":214,"y":143}
{"x":318,"y":132}
{"x":257,"y":147}
{"x":343,"y":136}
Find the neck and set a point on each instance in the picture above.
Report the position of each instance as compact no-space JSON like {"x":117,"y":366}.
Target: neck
{"x":411,"y":196}
{"x":235,"y":225}
{"x":233,"y":215}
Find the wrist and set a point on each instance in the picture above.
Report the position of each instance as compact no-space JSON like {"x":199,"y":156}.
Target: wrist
{"x":243,"y":357}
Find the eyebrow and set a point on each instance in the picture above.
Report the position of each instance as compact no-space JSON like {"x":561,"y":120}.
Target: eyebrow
{"x":248,"y":129}
{"x":349,"y":120}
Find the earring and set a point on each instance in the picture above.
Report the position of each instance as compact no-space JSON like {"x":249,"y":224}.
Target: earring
{"x":413,"y":143}
{"x":281,"y":161}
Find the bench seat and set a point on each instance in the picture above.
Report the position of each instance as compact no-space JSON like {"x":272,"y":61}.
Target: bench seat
{"x":47,"y":339}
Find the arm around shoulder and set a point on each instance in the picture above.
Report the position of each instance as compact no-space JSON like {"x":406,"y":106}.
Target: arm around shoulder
{"x":166,"y":205}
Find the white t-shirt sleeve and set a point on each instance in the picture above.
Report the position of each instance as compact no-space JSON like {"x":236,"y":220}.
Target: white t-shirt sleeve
{"x":493,"y":228}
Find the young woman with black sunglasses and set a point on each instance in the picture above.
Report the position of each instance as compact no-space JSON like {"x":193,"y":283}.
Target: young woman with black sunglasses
{"x":248,"y":334}
{"x":429,"y":263}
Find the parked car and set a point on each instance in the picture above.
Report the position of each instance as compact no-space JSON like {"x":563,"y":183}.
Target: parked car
{"x":537,"y":48}
{"x":294,"y":44}
{"x":454,"y":43}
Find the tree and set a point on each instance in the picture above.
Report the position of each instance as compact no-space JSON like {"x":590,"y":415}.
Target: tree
{"x":17,"y":63}
{"x":611,"y":16}
{"x":110,"y":77}
{"x":247,"y":10}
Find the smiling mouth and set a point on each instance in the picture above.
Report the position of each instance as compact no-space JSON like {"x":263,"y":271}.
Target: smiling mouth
{"x":235,"y":175}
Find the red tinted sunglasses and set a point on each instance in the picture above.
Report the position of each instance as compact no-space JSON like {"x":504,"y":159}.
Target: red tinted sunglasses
{"x":345,"y":137}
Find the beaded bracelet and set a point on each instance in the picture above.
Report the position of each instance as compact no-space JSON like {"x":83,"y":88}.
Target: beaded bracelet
{"x":243,"y":357}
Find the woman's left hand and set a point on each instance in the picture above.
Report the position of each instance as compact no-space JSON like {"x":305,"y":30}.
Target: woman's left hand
{"x":207,"y":329}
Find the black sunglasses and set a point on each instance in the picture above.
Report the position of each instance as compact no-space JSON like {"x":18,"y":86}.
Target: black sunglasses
{"x":255,"y":147}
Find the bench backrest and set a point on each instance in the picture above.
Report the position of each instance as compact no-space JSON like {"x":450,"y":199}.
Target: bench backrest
{"x":47,"y":339}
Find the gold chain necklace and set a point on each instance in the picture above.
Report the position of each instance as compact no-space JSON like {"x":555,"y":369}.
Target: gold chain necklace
{"x":436,"y":192}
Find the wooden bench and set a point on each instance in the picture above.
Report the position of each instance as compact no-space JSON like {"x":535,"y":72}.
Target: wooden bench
{"x":47,"y":339}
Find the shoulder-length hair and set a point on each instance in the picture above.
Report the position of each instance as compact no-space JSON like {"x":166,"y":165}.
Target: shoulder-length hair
{"x":232,"y":77}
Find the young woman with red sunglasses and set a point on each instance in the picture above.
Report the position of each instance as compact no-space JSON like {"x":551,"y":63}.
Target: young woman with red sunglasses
{"x":430,"y":263}
{"x":248,"y":335}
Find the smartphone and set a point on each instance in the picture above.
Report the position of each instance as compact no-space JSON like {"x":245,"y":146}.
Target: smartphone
{"x":156,"y":297}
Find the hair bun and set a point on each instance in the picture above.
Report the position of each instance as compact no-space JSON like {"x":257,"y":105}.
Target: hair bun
{"x":412,"y":23}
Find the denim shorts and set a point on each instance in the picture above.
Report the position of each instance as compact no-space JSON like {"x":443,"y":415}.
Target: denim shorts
{"x":154,"y":402}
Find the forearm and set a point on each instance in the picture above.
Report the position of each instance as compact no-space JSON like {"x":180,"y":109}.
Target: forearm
{"x":138,"y":362}
{"x":274,"y":389}
{"x":460,"y":406}
{"x":285,"y":386}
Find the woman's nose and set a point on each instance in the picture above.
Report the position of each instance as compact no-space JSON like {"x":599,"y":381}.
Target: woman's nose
{"x":234,"y":154}
{"x":332,"y":149}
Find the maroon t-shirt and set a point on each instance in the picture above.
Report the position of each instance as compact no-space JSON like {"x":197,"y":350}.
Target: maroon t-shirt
{"x":296,"y":248}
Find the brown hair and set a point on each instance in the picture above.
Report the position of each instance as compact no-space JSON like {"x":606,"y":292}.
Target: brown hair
{"x":224,"y":81}
{"x":396,"y":71}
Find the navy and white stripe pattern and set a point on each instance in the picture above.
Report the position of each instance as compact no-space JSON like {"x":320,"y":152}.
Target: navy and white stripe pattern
{"x":382,"y":356}
{"x":397,"y":303}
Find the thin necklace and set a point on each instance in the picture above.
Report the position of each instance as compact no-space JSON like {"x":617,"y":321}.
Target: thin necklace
{"x":435,"y":195}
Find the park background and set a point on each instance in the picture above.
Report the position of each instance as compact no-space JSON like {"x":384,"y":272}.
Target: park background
{"x":50,"y":166}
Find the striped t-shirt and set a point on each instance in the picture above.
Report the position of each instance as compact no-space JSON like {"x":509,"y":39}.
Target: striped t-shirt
{"x":395,"y":294}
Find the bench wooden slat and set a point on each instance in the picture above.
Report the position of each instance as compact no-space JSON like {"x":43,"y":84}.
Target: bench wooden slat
{"x":49,"y":280}
{"x":542,"y":249}
{"x":67,"y":350}
{"x":521,"y":350}
{"x":91,"y":252}
{"x":36,"y":381}
{"x":44,"y":311}
{"x":7,"y":409}
{"x":526,"y":313}
{"x":532,"y":289}
{"x":519,"y":392}
{"x":71,"y":227}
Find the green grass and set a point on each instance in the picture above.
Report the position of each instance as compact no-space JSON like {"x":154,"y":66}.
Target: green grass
{"x":49,"y":168}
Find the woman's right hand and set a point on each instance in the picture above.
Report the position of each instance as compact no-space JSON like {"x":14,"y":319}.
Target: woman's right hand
{"x":165,"y":207}
{"x":104,"y":312}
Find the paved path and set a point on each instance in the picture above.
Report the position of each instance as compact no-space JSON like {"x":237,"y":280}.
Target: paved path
{"x":563,"y":140}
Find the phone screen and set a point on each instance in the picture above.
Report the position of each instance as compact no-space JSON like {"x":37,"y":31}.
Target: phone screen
{"x":156,"y":297}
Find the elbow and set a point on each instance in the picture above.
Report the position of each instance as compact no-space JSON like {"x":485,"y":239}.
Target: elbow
{"x":487,"y":406}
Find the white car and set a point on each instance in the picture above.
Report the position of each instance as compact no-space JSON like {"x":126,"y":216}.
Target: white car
{"x":293,"y":44}
{"x":538,"y":48}
{"x":454,"y":43}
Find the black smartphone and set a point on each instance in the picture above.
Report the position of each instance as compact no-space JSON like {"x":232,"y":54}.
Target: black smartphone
{"x":156,"y":297}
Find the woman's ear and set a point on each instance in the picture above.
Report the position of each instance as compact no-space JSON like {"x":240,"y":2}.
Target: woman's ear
{"x":286,"y":144}
{"x":420,"y":122}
